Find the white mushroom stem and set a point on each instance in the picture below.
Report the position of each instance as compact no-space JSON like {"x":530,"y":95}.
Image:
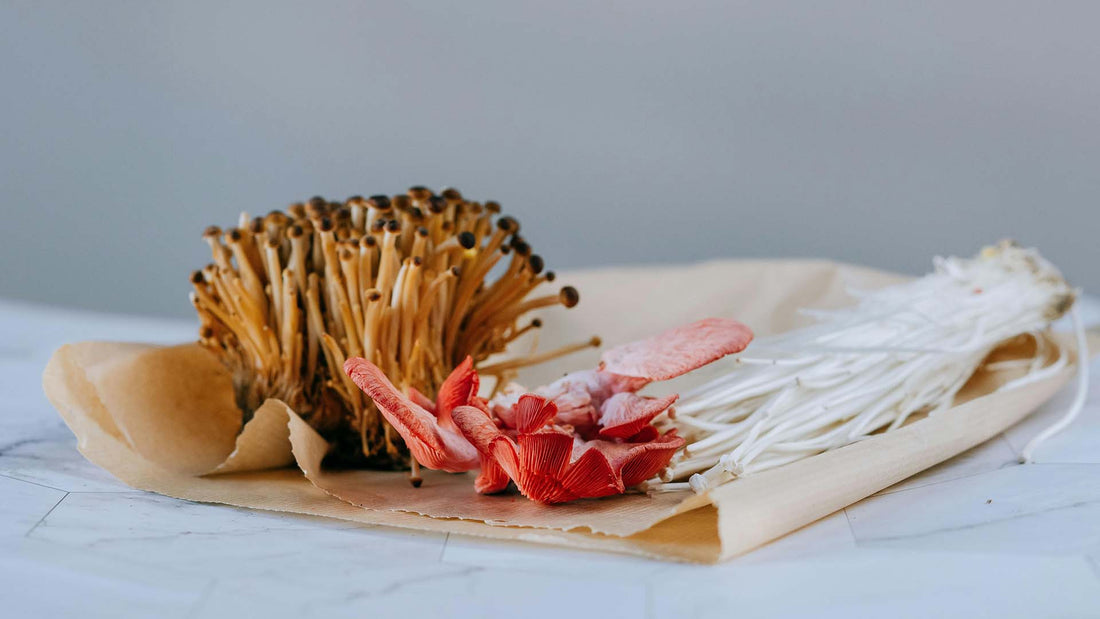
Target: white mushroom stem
{"x":1079,"y":398}
{"x":903,"y":350}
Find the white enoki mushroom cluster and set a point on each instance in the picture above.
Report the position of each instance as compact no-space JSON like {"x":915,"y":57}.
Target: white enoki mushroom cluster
{"x":900,"y":351}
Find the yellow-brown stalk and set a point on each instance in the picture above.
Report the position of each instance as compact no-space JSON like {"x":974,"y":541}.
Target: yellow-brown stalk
{"x":402,"y":281}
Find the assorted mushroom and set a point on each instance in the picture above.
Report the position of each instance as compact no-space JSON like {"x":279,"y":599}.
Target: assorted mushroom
{"x":587,"y":435}
{"x":404,"y":281}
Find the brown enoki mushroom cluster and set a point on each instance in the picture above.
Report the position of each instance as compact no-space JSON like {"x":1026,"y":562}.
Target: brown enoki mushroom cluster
{"x":402,"y":281}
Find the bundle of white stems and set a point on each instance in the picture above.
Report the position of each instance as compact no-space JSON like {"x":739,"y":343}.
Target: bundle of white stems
{"x":900,"y":351}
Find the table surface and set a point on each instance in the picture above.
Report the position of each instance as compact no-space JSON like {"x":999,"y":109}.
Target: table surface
{"x":979,"y":536}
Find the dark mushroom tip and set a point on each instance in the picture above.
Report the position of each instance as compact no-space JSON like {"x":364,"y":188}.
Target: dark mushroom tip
{"x":380,"y":202}
{"x":467,"y":240}
{"x":401,"y":203}
{"x":569,"y":296}
{"x":419,"y":193}
{"x":536,"y":263}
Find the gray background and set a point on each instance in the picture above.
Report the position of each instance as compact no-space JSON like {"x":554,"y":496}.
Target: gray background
{"x":617,"y":132}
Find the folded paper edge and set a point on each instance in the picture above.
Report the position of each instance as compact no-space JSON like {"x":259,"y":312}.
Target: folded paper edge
{"x":263,"y":443}
{"x":59,"y":392}
{"x":730,"y":527}
{"x":819,"y":486}
{"x":112,"y":454}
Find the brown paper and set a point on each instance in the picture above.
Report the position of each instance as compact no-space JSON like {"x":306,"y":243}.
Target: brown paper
{"x":263,"y":442}
{"x":162,"y":419}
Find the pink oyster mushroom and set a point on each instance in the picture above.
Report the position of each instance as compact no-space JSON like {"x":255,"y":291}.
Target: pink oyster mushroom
{"x":586,"y":435}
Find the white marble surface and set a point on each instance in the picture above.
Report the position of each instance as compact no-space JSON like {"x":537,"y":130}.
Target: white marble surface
{"x":979,"y":536}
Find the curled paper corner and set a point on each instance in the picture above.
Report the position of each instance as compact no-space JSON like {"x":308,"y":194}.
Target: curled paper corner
{"x":264,"y":442}
{"x":163,"y":419}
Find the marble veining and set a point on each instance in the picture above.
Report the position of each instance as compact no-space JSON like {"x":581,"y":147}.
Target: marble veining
{"x":872,"y":583}
{"x":24,"y":506}
{"x":1041,"y":508}
{"x":51,"y":459}
{"x":547,"y":560}
{"x":978,"y":536}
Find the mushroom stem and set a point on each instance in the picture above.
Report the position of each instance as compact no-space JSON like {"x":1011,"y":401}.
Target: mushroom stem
{"x":514,"y":364}
{"x":403,"y":281}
